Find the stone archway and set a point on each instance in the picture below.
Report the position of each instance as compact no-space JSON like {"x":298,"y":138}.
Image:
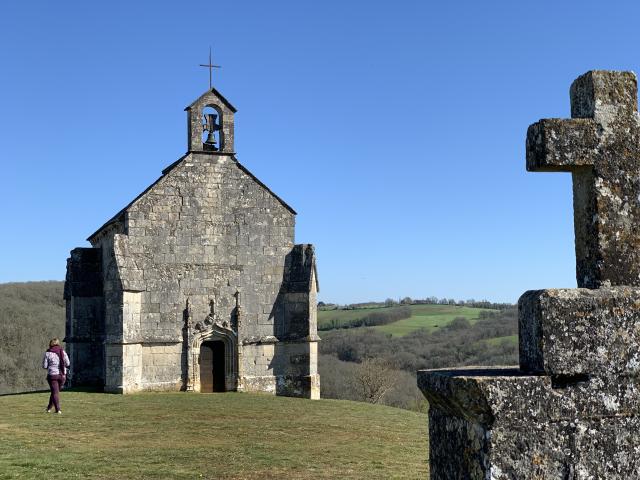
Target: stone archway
{"x":215,"y":333}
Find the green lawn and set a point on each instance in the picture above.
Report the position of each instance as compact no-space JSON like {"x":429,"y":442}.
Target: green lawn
{"x":430,"y":317}
{"x":209,"y":436}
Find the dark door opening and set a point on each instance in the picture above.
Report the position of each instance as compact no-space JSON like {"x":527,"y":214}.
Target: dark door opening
{"x":212,"y":376}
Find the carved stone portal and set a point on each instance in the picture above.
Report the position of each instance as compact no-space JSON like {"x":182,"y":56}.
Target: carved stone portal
{"x":212,"y":328}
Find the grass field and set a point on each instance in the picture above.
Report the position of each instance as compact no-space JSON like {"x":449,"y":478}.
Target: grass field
{"x":208,"y":436}
{"x":430,"y":317}
{"x":423,"y":316}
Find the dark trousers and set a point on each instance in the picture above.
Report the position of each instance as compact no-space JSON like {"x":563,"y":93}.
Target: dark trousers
{"x":55,"y":384}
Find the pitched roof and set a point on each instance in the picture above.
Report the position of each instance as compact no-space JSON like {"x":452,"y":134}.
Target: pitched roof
{"x":165,"y":172}
{"x":219,"y":95}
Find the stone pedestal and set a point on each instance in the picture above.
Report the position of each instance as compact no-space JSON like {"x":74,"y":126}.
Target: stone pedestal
{"x":502,"y":424}
{"x":571,"y":409}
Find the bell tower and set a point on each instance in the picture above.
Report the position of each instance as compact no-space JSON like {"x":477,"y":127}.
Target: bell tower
{"x":210,"y":124}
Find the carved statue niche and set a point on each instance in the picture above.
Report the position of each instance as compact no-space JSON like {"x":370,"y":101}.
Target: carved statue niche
{"x":213,"y":319}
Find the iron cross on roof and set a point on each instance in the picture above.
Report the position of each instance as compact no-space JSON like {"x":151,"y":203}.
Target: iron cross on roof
{"x":211,"y":67}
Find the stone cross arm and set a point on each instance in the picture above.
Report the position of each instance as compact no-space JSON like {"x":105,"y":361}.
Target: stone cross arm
{"x":600,"y":145}
{"x":604,"y":107}
{"x":556,"y":145}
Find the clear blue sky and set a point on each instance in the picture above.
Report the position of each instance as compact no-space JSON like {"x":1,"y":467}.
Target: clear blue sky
{"x":395,"y":129}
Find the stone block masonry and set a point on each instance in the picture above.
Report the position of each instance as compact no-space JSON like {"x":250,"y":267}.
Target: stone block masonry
{"x":580,"y":331}
{"x":571,"y":409}
{"x":204,"y":260}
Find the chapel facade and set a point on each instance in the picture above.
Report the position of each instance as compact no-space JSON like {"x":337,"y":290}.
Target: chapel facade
{"x":197,"y":284}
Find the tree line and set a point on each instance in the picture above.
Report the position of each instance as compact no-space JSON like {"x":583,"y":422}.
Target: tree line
{"x":369,"y":319}
{"x":390,"y":302}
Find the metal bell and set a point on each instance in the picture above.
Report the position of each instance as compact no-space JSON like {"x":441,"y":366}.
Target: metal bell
{"x":211,"y":126}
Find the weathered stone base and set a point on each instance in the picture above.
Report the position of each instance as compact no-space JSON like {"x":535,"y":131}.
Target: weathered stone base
{"x":140,"y":367}
{"x":264,"y":384}
{"x":304,"y":387}
{"x":162,"y":386}
{"x":580,"y":331}
{"x":150,"y":387}
{"x":284,"y":385}
{"x":583,"y":449}
{"x":501,"y":424}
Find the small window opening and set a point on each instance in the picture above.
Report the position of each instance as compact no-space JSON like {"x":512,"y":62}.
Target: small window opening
{"x":211,"y":129}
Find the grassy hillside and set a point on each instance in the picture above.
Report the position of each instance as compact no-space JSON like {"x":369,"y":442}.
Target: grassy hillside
{"x":430,"y":317}
{"x":209,"y":436}
{"x":30,"y":315}
{"x":346,"y":355}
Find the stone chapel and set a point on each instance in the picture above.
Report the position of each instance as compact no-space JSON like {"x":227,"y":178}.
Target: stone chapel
{"x":196,"y":284}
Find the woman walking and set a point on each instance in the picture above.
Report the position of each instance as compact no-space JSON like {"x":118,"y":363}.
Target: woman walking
{"x":56,"y":362}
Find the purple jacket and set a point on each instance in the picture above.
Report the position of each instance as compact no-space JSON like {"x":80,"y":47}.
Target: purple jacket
{"x":51,"y":361}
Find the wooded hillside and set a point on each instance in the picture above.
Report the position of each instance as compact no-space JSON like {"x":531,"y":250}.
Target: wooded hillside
{"x":367,"y":364}
{"x":30,"y":315}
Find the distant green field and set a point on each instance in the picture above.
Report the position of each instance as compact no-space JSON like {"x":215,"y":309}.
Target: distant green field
{"x":430,"y":317}
{"x":423,"y":316}
{"x":325,"y":316}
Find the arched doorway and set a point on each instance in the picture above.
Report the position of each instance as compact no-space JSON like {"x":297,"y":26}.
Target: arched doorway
{"x":212,"y":359}
{"x":212,"y":366}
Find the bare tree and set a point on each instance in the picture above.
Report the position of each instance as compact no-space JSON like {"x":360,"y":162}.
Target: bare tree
{"x":373,"y":378}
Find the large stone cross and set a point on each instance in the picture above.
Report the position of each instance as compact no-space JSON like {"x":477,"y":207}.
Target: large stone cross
{"x":600,"y":146}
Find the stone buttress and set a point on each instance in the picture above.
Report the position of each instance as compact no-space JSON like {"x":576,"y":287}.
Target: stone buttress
{"x":571,"y":408}
{"x":205,"y":257}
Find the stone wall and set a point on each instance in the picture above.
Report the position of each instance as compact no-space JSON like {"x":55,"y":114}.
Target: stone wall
{"x":159,"y":363}
{"x":114,"y":341}
{"x":284,"y":368}
{"x":207,"y":253}
{"x":85,"y":316}
{"x":206,"y":230}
